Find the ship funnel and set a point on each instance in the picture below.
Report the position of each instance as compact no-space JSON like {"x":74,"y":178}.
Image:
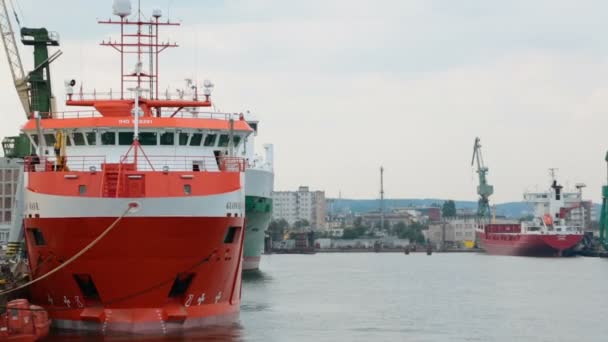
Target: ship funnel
{"x":121,"y":8}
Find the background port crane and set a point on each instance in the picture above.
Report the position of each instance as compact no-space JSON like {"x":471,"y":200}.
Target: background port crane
{"x":484,"y":190}
{"x":14,"y":59}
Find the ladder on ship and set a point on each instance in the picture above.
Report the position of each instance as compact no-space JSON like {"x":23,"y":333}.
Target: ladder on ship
{"x":110,"y":179}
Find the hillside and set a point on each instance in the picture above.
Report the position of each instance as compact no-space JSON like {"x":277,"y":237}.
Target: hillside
{"x":508,"y":209}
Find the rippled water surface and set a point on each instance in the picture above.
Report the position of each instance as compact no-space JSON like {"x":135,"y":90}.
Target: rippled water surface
{"x":397,"y":297}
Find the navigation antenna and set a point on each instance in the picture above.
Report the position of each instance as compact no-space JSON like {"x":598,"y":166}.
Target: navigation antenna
{"x":552,"y":172}
{"x":137,"y":43}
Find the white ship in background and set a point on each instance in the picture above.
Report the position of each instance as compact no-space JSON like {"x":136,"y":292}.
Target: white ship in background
{"x":259,"y":184}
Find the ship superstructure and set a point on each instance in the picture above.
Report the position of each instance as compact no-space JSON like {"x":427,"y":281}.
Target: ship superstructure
{"x":134,"y":205}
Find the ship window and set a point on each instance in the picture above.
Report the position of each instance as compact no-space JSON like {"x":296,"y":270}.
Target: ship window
{"x":167,"y":138}
{"x":231,"y":234}
{"x":49,"y":139}
{"x":108,"y":138}
{"x":236,"y":140}
{"x":210,"y":139}
{"x":181,"y":284}
{"x":125,"y":138}
{"x":38,"y":237}
{"x":82,"y":189}
{"x":196,"y":139}
{"x":147,"y":138}
{"x":91,"y":138}
{"x":68,"y":140}
{"x":183,"y":139}
{"x":87,"y":286}
{"x":223,"y":140}
{"x":187,"y":189}
{"x":34,"y":138}
{"x":78,"y":139}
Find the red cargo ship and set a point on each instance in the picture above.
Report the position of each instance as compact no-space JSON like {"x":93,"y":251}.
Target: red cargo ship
{"x":557,"y":227}
{"x":134,"y":209}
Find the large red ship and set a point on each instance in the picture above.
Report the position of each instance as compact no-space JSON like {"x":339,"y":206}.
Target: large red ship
{"x":557,"y":226}
{"x":134,"y":207}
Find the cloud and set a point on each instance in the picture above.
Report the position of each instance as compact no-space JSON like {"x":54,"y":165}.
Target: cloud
{"x":343,"y":87}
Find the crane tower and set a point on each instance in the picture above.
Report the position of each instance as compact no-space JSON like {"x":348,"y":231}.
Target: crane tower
{"x":484,"y":190}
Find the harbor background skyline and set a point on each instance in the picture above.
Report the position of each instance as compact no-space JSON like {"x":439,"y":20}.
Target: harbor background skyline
{"x":404,"y":84}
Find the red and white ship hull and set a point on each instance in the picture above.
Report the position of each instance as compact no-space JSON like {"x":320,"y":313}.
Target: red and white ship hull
{"x":168,"y":265}
{"x":527,"y":244}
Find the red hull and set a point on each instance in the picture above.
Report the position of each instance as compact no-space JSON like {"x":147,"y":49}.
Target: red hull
{"x":130,"y":275}
{"x":527,"y":244}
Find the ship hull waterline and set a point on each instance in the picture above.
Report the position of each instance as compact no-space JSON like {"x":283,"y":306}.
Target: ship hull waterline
{"x":148,"y":275}
{"x":258,"y":213}
{"x":539,"y":245}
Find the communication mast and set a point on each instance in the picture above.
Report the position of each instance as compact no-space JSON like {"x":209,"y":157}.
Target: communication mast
{"x":138,"y":37}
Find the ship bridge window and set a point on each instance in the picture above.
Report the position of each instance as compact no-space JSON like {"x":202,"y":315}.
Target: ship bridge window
{"x":125,"y":138}
{"x":49,"y":139}
{"x":223,"y":140}
{"x":91,"y":138}
{"x":196,"y":139}
{"x":108,"y":138}
{"x":148,"y":138}
{"x":78,"y":139}
{"x":236,"y":140}
{"x":183,"y":139}
{"x":210,"y":139}
{"x":167,"y":138}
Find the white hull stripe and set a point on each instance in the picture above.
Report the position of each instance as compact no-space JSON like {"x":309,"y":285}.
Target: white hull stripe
{"x":53,"y":206}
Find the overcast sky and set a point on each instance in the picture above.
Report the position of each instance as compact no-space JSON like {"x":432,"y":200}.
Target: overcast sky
{"x":344,"y":86}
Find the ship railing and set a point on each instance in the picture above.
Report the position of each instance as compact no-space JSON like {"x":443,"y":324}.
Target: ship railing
{"x":115,"y":95}
{"x":76,"y":114}
{"x":165,"y":113}
{"x":74,"y":163}
{"x":184,"y":163}
{"x":192,"y":113}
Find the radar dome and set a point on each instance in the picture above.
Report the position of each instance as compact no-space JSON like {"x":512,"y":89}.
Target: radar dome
{"x":121,"y":8}
{"x":157,"y":13}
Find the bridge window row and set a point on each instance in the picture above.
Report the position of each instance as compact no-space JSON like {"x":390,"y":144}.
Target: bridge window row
{"x":145,"y":139}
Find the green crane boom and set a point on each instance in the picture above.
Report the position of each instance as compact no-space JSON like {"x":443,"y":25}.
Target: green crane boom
{"x":484,"y":190}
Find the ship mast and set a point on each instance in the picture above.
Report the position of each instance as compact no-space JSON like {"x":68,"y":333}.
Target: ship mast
{"x":136,"y":43}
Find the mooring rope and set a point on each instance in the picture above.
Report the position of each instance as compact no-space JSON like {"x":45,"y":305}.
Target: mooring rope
{"x":73,"y":258}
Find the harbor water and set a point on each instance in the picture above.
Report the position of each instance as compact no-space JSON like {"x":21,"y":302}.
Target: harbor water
{"x":397,"y":297}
